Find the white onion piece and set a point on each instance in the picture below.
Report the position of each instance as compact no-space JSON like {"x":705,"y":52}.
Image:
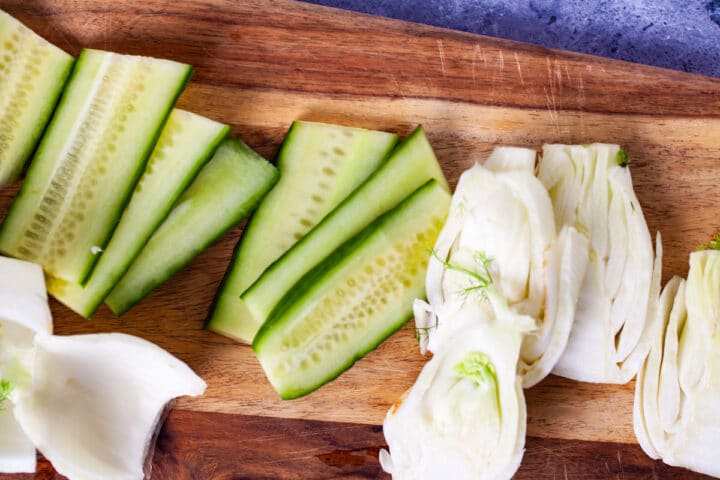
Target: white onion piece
{"x":591,"y":192}
{"x":676,"y":416}
{"x":95,"y":401}
{"x":503,"y":211}
{"x":465,"y":416}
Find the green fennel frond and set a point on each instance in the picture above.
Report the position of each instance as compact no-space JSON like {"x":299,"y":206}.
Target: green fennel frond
{"x":714,"y":244}
{"x":482,"y":278}
{"x":622,"y":158}
{"x":5,"y":389}
{"x":421,"y":332}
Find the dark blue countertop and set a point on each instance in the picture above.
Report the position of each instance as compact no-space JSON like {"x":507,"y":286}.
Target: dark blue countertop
{"x":682,"y":35}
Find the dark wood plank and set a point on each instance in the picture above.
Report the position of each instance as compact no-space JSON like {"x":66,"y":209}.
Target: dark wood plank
{"x":204,"y":446}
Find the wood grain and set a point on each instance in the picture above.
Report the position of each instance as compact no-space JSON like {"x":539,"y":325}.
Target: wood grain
{"x":206,"y":446}
{"x":260,"y":65}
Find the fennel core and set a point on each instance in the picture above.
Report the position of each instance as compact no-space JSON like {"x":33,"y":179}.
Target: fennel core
{"x":479,"y":369}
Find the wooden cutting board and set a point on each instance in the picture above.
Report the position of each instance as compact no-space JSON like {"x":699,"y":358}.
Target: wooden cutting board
{"x":260,"y":65}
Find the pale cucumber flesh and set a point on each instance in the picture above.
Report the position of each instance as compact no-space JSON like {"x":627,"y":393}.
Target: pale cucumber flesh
{"x":227,"y":188}
{"x":411,"y":165}
{"x":87,"y":164}
{"x":320,"y":165}
{"x":186,"y":143}
{"x":354,"y":299}
{"x":32,"y":75}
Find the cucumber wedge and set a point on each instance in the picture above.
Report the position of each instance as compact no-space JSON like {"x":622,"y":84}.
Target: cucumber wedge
{"x":320,"y":165}
{"x":186,"y":143}
{"x":354,"y":299}
{"x":32,"y":75}
{"x":231,"y":184}
{"x":88,"y":162}
{"x":411,"y":165}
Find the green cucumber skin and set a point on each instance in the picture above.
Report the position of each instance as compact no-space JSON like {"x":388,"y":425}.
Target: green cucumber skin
{"x":215,"y":321}
{"x":16,"y":204}
{"x":131,"y":185}
{"x":43,"y":118}
{"x":42,"y":122}
{"x":129,"y":291}
{"x":257,"y":307}
{"x":295,"y":394}
{"x":316,"y":280}
{"x":32,"y":165}
{"x":227,"y":277}
{"x":286,"y":150}
{"x":287,"y":141}
{"x":86,"y":302}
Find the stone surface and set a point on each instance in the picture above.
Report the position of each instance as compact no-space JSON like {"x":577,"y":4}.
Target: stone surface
{"x":682,"y":35}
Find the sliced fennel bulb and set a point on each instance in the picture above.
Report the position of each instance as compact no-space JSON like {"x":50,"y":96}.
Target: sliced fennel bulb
{"x":17,"y":452}
{"x":90,"y":403}
{"x":24,"y":309}
{"x":501,"y":209}
{"x":677,"y":392}
{"x":591,"y":190}
{"x":465,"y":416}
{"x":95,"y":402}
{"x":24,"y":312}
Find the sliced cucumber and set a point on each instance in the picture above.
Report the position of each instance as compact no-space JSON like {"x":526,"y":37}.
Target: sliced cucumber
{"x":88,"y":162}
{"x":32,"y":75}
{"x":186,"y":143}
{"x":411,"y":165}
{"x":231,"y":184}
{"x":320,"y":164}
{"x":354,"y":299}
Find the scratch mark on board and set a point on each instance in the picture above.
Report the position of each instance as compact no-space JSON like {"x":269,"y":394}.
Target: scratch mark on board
{"x":398,"y":87}
{"x":552,"y":109}
{"x":70,"y":44}
{"x":555,"y":88}
{"x":567,"y":74}
{"x":554,"y":74}
{"x":549,"y":69}
{"x":211,"y":55}
{"x":501,"y":65}
{"x":441,"y":51}
{"x":519,"y":69}
{"x":476,"y":53}
{"x":105,"y":30}
{"x":581,"y":104}
{"x":558,"y":74}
